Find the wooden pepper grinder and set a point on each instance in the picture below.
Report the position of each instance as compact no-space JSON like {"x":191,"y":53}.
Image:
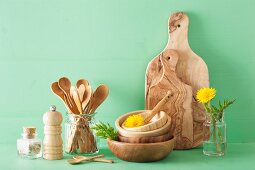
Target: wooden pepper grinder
{"x":52,"y":143}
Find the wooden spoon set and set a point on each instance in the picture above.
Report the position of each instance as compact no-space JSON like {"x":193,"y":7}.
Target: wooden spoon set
{"x":79,"y":99}
{"x":81,"y":102}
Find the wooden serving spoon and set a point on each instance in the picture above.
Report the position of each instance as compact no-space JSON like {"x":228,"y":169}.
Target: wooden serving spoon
{"x":76,"y":161}
{"x":57,"y":91}
{"x":65,"y":84}
{"x":98,"y":97}
{"x":94,"y":160}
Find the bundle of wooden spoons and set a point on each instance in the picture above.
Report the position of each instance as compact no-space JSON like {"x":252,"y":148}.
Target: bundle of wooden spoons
{"x":80,"y":99}
{"x":80,"y":102}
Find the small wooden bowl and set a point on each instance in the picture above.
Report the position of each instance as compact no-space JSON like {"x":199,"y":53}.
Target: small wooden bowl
{"x":156,"y":122}
{"x":155,"y":139}
{"x":127,"y":133}
{"x":141,"y":152}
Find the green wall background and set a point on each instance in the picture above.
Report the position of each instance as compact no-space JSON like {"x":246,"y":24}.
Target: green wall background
{"x":112,"y":42}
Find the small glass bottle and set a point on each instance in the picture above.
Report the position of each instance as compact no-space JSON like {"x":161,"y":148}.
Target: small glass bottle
{"x":29,"y":146}
{"x":215,"y":142}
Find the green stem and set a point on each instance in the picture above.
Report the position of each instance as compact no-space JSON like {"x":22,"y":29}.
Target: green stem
{"x":220,"y":134}
{"x":218,"y":148}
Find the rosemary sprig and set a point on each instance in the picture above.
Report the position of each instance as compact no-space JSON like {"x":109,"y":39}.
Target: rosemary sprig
{"x":105,"y":131}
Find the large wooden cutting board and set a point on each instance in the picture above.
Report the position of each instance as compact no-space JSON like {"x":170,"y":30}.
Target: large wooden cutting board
{"x":191,"y":70}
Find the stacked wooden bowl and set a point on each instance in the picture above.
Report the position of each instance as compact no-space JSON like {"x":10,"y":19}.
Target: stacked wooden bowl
{"x":147,"y":143}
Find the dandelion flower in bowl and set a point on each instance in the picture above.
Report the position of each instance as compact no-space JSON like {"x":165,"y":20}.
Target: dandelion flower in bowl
{"x":134,"y":121}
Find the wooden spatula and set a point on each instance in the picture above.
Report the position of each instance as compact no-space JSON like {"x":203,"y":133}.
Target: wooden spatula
{"x":76,"y":98}
{"x":81,"y":90}
{"x":87,"y":97}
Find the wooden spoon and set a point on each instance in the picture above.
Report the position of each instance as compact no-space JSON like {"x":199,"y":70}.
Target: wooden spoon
{"x":81,"y":90}
{"x":87,"y":93}
{"x":95,"y":159}
{"x":65,"y":84}
{"x":76,"y":161}
{"x":82,"y":81}
{"x":57,"y":91}
{"x":98,"y":97}
{"x":76,"y":98}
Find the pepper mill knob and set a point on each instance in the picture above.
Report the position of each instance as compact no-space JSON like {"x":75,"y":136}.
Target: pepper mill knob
{"x":53,"y":108}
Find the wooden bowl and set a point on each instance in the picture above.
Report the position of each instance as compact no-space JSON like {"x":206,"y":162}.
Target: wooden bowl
{"x":155,"y":139}
{"x":157,"y":132}
{"x":141,"y":152}
{"x":156,"y":122}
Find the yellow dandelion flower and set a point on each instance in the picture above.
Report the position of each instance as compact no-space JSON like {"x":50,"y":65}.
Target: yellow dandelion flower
{"x":205,"y":95}
{"x":134,"y":121}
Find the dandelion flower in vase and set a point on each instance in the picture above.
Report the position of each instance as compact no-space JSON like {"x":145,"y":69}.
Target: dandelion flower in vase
{"x":205,"y":95}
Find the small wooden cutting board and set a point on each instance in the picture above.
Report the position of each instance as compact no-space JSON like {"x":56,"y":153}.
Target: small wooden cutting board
{"x":185,"y":77}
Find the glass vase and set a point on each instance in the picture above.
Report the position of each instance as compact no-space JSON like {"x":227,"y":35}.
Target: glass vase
{"x":215,"y":143}
{"x":79,"y":137}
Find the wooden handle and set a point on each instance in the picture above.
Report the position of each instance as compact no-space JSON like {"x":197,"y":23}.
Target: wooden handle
{"x":102,"y":160}
{"x":76,"y":161}
{"x":158,"y":107}
{"x":91,"y":158}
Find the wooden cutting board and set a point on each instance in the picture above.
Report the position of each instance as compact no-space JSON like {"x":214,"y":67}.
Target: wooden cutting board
{"x":184,"y":76}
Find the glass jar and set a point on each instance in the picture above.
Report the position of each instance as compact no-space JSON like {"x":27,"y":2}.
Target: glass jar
{"x":215,"y":142}
{"x":79,"y":137}
{"x":29,"y":146}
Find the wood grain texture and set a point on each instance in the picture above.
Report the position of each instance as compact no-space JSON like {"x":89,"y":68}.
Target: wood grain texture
{"x":179,"y":108}
{"x":193,"y":75}
{"x":141,"y":152}
{"x":160,"y":138}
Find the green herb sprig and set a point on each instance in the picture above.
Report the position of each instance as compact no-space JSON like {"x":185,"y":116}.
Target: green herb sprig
{"x":218,"y":111}
{"x":105,"y":131}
